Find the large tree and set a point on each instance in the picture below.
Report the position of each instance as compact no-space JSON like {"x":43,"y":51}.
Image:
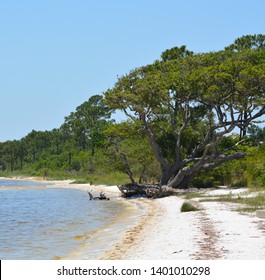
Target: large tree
{"x":187,"y":103}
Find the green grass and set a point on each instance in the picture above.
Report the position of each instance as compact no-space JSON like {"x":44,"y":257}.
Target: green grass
{"x":255,"y":201}
{"x":247,"y":209}
{"x":193,"y":195}
{"x":249,"y":204}
{"x":188,"y":207}
{"x":111,"y":179}
{"x":221,"y":198}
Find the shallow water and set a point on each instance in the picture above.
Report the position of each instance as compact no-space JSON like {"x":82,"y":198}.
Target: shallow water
{"x":39,"y":222}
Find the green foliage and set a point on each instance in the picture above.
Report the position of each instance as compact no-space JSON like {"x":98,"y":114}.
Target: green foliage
{"x":246,"y":172}
{"x":86,"y":124}
{"x":175,"y":53}
{"x":188,"y":207}
{"x":256,"y":134}
{"x":108,"y":179}
{"x":255,"y":168}
{"x":188,"y":102}
{"x":248,"y":42}
{"x":130,"y":152}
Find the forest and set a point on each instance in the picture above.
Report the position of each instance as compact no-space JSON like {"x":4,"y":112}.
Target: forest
{"x":190,"y":120}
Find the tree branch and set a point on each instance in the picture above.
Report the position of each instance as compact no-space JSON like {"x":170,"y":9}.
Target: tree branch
{"x":125,"y":160}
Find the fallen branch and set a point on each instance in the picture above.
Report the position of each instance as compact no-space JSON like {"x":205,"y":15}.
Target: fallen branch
{"x":101,"y":196}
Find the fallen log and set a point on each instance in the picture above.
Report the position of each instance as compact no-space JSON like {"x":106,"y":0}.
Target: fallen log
{"x":146,"y":190}
{"x":129,"y":190}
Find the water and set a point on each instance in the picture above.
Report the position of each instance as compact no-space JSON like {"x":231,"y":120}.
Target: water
{"x":43,"y":222}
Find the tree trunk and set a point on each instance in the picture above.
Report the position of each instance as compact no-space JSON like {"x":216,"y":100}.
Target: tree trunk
{"x":185,"y":181}
{"x":186,"y":174}
{"x":166,"y":175}
{"x":150,"y":191}
{"x":182,"y":174}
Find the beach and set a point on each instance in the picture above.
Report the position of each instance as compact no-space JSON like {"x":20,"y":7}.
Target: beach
{"x":214,"y":233}
{"x":156,"y":229}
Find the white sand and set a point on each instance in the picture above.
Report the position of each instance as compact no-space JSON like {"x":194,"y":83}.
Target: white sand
{"x":216,"y":232}
{"x":242,"y":236}
{"x":168,"y":235}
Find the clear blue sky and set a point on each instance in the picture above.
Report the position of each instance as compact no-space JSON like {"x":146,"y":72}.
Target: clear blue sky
{"x":55,"y":54}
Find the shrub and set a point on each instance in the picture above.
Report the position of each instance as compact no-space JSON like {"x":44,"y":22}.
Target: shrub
{"x":188,"y":207}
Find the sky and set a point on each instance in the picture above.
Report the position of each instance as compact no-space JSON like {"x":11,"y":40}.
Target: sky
{"x":55,"y":54}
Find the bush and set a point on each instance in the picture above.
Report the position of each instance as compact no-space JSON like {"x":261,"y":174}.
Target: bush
{"x":188,"y":207}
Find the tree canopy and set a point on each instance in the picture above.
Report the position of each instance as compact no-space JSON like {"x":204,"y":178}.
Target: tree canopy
{"x":203,"y":97}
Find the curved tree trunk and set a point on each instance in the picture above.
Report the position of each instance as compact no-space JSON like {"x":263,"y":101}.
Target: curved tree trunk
{"x":186,"y":174}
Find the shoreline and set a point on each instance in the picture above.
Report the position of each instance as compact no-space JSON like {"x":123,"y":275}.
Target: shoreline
{"x":133,"y":212}
{"x":140,"y":212}
{"x":161,"y":232}
{"x":216,"y":232}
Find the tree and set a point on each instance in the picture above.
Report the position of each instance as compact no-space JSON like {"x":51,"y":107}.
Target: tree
{"x":254,"y":172}
{"x":175,"y":53}
{"x":87,"y":123}
{"x":203,"y":97}
{"x":35,"y":142}
{"x":244,"y":43}
{"x":7,"y":155}
{"x":247,"y":42}
{"x":128,"y":151}
{"x":256,"y":134}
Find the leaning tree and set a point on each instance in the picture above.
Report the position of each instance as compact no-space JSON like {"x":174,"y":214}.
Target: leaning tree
{"x":187,"y":103}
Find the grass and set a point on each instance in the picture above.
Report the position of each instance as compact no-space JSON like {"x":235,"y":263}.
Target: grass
{"x":245,"y":203}
{"x":111,"y":179}
{"x":255,"y":201}
{"x":188,"y":207}
{"x":194,"y":195}
{"x":250,"y":203}
{"x":247,"y":209}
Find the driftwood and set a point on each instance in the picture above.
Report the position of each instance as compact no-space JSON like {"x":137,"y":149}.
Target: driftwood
{"x":101,"y":196}
{"x":149,"y":191}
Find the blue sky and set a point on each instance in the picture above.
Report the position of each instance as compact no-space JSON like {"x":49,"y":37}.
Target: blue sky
{"x":55,"y":54}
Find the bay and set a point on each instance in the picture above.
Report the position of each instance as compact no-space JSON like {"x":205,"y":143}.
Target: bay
{"x":39,"y":221}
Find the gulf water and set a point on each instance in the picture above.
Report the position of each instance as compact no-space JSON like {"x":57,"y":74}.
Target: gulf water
{"x":39,"y":221}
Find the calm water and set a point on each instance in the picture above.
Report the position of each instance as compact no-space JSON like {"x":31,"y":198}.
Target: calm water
{"x":39,"y":222}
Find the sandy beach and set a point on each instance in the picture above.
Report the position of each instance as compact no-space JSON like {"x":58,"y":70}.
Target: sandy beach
{"x":214,"y":233}
{"x":162,"y":232}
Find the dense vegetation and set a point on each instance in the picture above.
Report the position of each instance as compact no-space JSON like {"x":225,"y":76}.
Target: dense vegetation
{"x":191,"y":120}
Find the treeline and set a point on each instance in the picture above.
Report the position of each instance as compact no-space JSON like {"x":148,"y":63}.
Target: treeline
{"x":82,"y":147}
{"x":76,"y":147}
{"x":182,"y":113}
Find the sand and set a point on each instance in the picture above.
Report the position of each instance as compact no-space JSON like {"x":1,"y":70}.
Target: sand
{"x":162,"y":232}
{"x":214,"y":233}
